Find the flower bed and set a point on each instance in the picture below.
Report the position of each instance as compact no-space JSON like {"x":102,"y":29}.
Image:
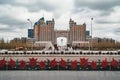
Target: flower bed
{"x":82,"y":64}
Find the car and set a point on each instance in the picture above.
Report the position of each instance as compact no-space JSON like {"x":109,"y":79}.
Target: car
{"x":3,"y":51}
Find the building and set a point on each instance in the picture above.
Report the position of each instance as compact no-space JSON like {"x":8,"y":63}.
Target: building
{"x":1,"y":40}
{"x":87,"y":33}
{"x":103,"y":40}
{"x":44,"y":31}
{"x":30,"y":33}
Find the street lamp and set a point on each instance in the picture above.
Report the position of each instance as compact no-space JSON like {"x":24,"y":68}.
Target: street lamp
{"x":91,"y":34}
{"x":30,"y":22}
{"x":31,"y":38}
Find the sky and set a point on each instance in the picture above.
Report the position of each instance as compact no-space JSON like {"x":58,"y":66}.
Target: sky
{"x":105,"y":14}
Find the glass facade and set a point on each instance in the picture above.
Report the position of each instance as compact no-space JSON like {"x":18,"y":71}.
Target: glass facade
{"x":30,"y":33}
{"x":87,"y":33}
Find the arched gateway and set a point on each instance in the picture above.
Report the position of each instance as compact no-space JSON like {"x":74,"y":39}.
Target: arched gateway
{"x":61,"y":33}
{"x":44,"y":32}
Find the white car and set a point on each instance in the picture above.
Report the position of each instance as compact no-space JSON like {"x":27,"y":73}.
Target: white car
{"x":3,"y":50}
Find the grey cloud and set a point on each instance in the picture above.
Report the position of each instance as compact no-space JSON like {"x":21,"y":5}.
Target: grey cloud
{"x":105,"y":13}
{"x":85,"y":6}
{"x":76,"y":10}
{"x":38,"y":6}
{"x":117,"y":31}
{"x":11,"y":21}
{"x":100,"y":4}
{"x":32,"y":7}
{"x":13,"y":24}
{"x":106,"y":22}
{"x":7,"y":1}
{"x":10,"y":29}
{"x":2,"y":30}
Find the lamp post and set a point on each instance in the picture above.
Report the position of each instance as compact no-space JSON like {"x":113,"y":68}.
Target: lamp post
{"x":30,"y":22}
{"x":31,"y":38}
{"x":91,"y":34}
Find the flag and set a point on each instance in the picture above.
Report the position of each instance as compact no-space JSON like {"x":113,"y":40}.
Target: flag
{"x":114,"y":63}
{"x":73,"y":64}
{"x":12,"y":63}
{"x":53,"y":63}
{"x":93,"y":65}
{"x":83,"y":62}
{"x":32,"y":62}
{"x":104,"y":63}
{"x":2,"y":63}
{"x":22,"y":64}
{"x":62,"y":63}
{"x":42,"y":64}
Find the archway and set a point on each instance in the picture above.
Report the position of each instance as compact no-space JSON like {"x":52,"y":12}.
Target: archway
{"x":63,"y":34}
{"x":61,"y":41}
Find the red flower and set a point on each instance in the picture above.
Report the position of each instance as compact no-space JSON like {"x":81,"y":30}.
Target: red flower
{"x":62,"y":63}
{"x":53,"y":63}
{"x":93,"y":65}
{"x":12,"y":63}
{"x":32,"y":62}
{"x":73,"y":64}
{"x":83,"y":62}
{"x":114,"y":63}
{"x":22,"y":64}
{"x":2,"y":63}
{"x":42,"y":64}
{"x":104,"y":63}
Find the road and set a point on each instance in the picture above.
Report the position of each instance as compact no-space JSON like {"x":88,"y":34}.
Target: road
{"x":59,"y":75}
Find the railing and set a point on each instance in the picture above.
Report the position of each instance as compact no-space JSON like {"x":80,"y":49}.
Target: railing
{"x":57,"y":53}
{"x":65,"y":65}
{"x":12,"y":61}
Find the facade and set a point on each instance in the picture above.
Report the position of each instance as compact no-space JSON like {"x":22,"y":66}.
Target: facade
{"x":24,"y":41}
{"x":103,"y":40}
{"x":61,"y":33}
{"x":77,"y":32}
{"x":44,"y":31}
{"x":87,"y":33}
{"x":30,"y":33}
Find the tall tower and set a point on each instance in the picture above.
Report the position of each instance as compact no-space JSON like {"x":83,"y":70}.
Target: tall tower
{"x":71,"y":25}
{"x":44,"y":31}
{"x":70,"y":32}
{"x":77,"y":32}
{"x":53,"y":32}
{"x":36,"y":30}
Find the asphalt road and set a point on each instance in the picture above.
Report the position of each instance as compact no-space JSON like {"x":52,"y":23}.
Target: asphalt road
{"x":59,"y":75}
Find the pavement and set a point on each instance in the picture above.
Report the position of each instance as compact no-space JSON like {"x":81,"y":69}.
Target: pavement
{"x":59,"y":75}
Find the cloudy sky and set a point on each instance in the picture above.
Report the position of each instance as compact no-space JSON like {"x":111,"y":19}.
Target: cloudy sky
{"x":105,"y":13}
